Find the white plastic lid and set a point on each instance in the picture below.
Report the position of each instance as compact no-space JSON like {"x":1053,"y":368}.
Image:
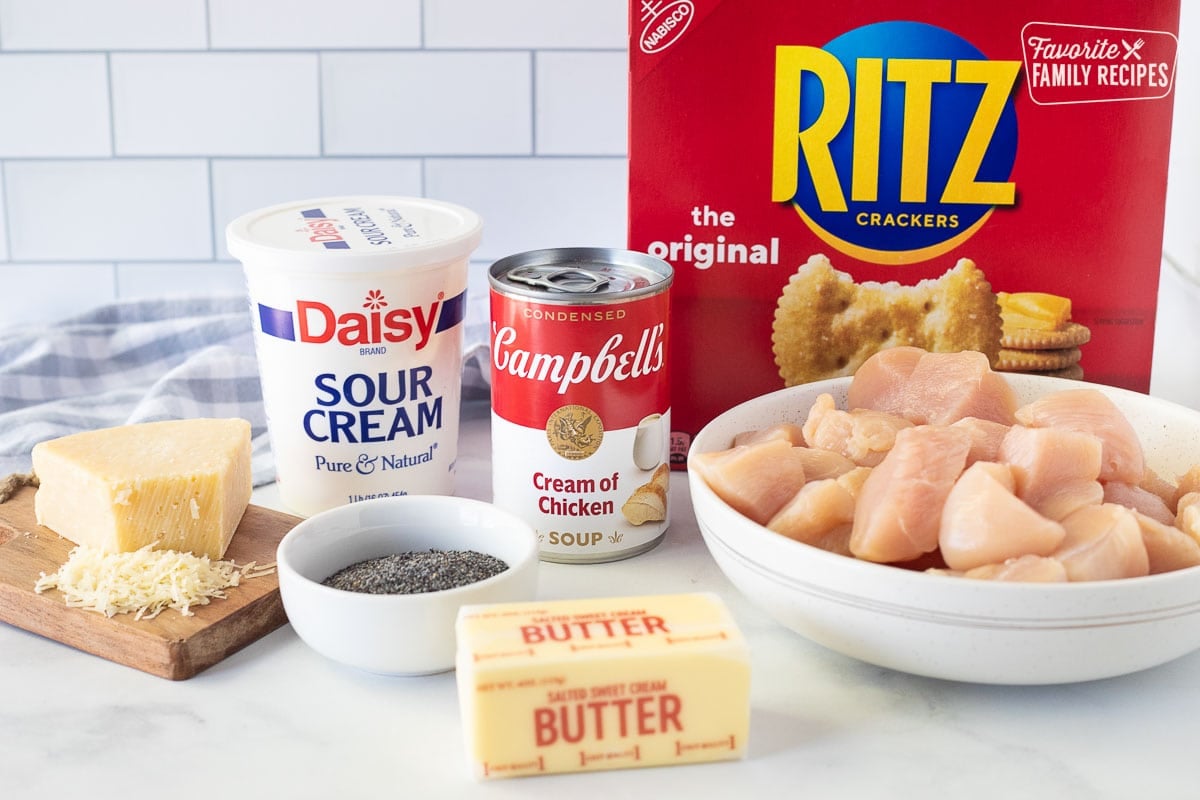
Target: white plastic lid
{"x":355,"y":234}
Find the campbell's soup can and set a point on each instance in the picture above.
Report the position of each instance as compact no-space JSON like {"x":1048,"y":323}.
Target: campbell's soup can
{"x":581,"y":414}
{"x":358,"y":306}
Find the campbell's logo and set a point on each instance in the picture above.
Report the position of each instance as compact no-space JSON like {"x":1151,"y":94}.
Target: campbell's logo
{"x":615,"y":359}
{"x":322,"y":230}
{"x":315,"y":322}
{"x":663,"y":23}
{"x":895,"y":141}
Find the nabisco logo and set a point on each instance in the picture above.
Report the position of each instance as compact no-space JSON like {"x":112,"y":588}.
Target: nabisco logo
{"x":612,"y":362}
{"x":315,"y":322}
{"x":663,"y":23}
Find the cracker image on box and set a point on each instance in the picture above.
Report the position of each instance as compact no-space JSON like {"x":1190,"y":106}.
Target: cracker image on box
{"x":827,"y":324}
{"x":601,"y":683}
{"x":1039,"y":335}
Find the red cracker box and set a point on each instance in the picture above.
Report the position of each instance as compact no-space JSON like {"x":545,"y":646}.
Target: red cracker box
{"x":896,"y":138}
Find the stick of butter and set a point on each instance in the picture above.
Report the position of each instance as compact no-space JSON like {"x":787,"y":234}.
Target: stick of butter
{"x":603,"y":683}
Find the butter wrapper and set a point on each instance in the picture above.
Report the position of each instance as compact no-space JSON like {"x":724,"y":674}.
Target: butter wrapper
{"x":603,"y":683}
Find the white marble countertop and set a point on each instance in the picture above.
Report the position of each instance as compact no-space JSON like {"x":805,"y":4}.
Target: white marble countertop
{"x":278,"y":720}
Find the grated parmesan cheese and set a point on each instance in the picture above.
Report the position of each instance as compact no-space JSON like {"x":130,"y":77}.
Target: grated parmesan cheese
{"x":144,"y":582}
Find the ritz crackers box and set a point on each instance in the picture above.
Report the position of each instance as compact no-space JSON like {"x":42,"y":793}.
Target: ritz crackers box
{"x":896,"y":138}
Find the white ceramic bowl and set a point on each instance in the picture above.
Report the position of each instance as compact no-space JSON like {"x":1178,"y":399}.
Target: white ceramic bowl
{"x":957,"y":628}
{"x":397,"y":634}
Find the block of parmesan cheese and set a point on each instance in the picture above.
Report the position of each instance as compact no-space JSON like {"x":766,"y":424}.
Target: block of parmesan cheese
{"x":605,"y":683}
{"x":181,"y":483}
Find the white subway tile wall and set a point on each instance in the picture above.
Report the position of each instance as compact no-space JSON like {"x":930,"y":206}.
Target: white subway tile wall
{"x":133,"y":131}
{"x":227,"y":104}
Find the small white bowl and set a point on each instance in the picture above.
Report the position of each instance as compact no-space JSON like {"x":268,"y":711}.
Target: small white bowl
{"x":959,"y":628}
{"x":397,"y":634}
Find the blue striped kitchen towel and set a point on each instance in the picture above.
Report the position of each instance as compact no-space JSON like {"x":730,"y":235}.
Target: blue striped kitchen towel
{"x":133,"y":361}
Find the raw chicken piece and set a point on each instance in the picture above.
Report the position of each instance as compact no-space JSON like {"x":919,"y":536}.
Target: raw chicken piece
{"x":821,"y":464}
{"x":784,"y":430}
{"x":1103,"y":542}
{"x":1167,"y":547}
{"x":1138,"y":499}
{"x":821,"y":513}
{"x":1090,"y":411}
{"x":900,"y":506}
{"x":880,"y":381}
{"x":755,"y":479}
{"x":940,"y":388}
{"x":1024,"y":569}
{"x":1055,"y":469}
{"x":862,"y":436}
{"x":1154,"y":483}
{"x":986,"y":436}
{"x":983,"y":522}
{"x":1187,"y":515}
{"x":1188,"y":482}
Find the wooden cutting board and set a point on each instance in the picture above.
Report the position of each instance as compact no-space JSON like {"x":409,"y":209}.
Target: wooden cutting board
{"x":170,"y":645}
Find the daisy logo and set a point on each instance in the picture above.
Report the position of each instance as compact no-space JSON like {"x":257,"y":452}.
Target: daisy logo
{"x":315,"y":322}
{"x":375,"y":300}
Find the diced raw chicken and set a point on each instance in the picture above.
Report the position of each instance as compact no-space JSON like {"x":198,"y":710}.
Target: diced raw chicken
{"x":1055,"y":469}
{"x":862,"y":436}
{"x":986,"y":437}
{"x":1167,"y":547}
{"x":754,"y":479}
{"x":1103,"y":542}
{"x":1023,"y":569}
{"x":1090,"y":411}
{"x":900,"y":506}
{"x":1156,"y":484}
{"x":1187,"y":515}
{"x":784,"y":430}
{"x":879,"y":382}
{"x":1138,"y":499}
{"x":821,"y":464}
{"x":1188,"y":482}
{"x":983,"y":522}
{"x":821,"y":513}
{"x":938,"y":389}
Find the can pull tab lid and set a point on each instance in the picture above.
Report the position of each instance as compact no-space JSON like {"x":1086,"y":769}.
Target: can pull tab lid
{"x":562,"y":279}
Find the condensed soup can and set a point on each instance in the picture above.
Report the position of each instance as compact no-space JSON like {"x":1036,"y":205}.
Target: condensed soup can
{"x":358,"y":306}
{"x":581,"y":414}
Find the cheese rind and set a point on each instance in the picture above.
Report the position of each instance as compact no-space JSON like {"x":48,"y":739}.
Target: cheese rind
{"x":182,"y":484}
{"x":605,"y":683}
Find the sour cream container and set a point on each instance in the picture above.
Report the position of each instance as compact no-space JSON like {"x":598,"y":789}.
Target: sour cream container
{"x":358,"y":306}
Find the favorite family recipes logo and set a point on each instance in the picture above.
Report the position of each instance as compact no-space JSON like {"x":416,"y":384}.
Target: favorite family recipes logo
{"x":1067,"y":64}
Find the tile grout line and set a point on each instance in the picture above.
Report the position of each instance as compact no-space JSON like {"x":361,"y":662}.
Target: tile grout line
{"x":207,"y":26}
{"x":7,"y":211}
{"x":114,"y":272}
{"x":214,"y":249}
{"x":214,"y":242}
{"x":533,"y":85}
{"x":321,"y":104}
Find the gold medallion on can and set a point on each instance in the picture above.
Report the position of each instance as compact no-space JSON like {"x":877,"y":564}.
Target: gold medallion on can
{"x":574,"y":432}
